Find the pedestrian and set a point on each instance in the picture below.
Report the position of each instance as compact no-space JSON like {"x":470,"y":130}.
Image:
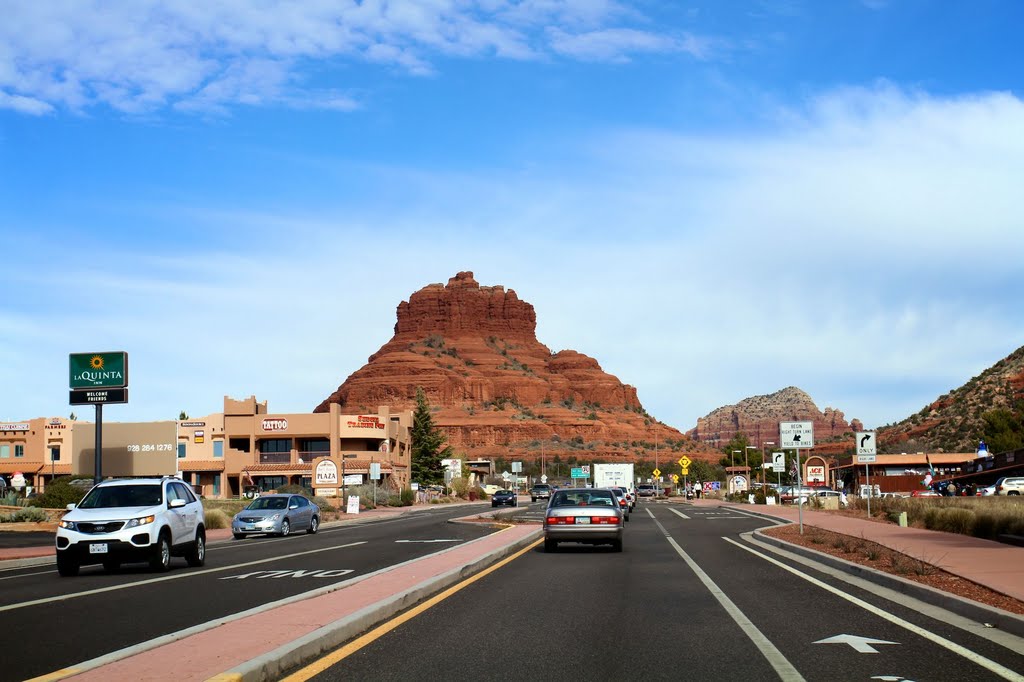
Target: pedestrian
{"x":951,"y":489}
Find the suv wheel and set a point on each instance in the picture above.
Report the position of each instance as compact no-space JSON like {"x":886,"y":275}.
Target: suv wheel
{"x":160,"y":559}
{"x":286,"y":528}
{"x":197,"y":553}
{"x":67,"y":566}
{"x":314,"y":525}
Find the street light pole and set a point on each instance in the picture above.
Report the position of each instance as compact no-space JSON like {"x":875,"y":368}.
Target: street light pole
{"x":764,"y":456}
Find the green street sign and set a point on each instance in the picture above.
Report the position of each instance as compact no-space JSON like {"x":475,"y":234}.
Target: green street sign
{"x":98,"y":370}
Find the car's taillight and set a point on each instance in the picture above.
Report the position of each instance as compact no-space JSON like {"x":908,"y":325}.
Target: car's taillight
{"x":555,"y":520}
{"x":622,"y":503}
{"x":608,"y":520}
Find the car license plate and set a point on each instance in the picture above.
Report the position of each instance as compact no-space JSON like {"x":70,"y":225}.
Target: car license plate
{"x":582,"y":519}
{"x":98,"y":548}
{"x":250,"y":527}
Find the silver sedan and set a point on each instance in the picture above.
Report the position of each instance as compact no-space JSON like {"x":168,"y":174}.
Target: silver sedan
{"x":586,"y":515}
{"x":276,"y":515}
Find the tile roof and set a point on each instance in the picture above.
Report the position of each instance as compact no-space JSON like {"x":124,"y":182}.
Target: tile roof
{"x":200,"y":465}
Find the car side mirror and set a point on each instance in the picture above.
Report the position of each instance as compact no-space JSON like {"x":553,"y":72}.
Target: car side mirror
{"x":71,"y":506}
{"x":293,"y":506}
{"x":176,"y":504}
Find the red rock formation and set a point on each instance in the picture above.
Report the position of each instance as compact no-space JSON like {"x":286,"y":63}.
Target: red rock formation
{"x":758,"y":419}
{"x":498,"y":391}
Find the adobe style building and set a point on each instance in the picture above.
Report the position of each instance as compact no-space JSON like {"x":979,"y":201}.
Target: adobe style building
{"x":220,"y":454}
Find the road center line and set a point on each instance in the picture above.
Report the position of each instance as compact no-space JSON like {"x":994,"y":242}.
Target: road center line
{"x":783,"y":668}
{"x":176,"y":576}
{"x":972,"y":656}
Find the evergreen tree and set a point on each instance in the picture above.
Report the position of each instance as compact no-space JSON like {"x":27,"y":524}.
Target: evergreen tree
{"x":428,"y":444}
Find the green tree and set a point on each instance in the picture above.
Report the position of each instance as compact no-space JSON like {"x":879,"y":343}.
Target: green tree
{"x":1004,"y":429}
{"x":704,"y":471}
{"x":428,"y":444}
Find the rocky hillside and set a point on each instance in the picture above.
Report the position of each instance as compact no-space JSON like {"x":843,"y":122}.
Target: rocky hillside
{"x":954,"y":422}
{"x":758,"y":419}
{"x":498,"y":391}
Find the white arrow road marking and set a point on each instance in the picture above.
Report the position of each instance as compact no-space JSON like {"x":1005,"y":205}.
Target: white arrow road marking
{"x":861,"y":645}
{"x":891,"y":678}
{"x":679,"y":514}
{"x":443,"y":540}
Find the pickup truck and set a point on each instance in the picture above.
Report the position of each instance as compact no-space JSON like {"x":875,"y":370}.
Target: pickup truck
{"x":541,"y":491}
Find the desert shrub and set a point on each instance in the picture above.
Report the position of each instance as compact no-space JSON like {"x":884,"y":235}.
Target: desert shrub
{"x":953,"y":520}
{"x":324,"y":503}
{"x":60,"y":493}
{"x":407,"y":497}
{"x":216,"y":518}
{"x":394,"y":500}
{"x":461,"y":486}
{"x":28,"y":514}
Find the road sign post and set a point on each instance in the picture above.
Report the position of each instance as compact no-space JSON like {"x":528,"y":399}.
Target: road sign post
{"x":866,"y":453}
{"x":797,"y":435}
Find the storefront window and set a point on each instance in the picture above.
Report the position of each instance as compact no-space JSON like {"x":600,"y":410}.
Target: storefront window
{"x":5,"y":451}
{"x":54,"y":454}
{"x":181,"y":451}
{"x":275,"y":451}
{"x":218,"y":448}
{"x":19,"y":450}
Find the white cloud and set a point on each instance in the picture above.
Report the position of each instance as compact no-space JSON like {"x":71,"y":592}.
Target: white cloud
{"x":141,"y":56}
{"x":865,"y":248}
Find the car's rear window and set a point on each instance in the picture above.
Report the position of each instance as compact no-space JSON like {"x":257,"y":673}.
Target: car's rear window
{"x":142,"y":495}
{"x":583,"y":498}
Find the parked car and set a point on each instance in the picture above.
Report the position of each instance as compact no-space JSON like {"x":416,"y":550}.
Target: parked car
{"x":541,"y":491}
{"x":645,"y":490}
{"x":505,"y":498}
{"x":620,"y":498}
{"x":277,"y":514}
{"x":791,"y":493}
{"x":826,"y":493}
{"x":132,"y":520}
{"x":987,"y":491}
{"x":924,"y":493}
{"x":491,"y":488}
{"x":892,"y":496}
{"x":1010,"y":485}
{"x":585,"y":515}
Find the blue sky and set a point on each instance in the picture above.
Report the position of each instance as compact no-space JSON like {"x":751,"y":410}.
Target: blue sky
{"x":714,"y":199}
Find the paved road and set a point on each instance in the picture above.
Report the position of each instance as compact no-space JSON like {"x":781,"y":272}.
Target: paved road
{"x":690,"y":596}
{"x":61,"y":621}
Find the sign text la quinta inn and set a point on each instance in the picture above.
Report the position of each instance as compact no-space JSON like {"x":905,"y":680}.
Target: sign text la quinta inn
{"x":98,"y":370}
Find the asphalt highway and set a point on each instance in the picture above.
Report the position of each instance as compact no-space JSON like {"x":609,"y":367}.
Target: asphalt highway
{"x":692,"y":595}
{"x":62,"y":621}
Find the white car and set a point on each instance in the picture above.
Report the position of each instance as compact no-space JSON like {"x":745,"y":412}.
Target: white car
{"x":821,"y":494}
{"x":132,"y":520}
{"x":1010,"y":485}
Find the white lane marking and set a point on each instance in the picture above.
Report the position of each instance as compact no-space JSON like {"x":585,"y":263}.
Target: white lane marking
{"x":426,"y":541}
{"x":679,"y":514}
{"x":862,"y":645}
{"x":177,"y":576}
{"x":976,"y":658}
{"x":783,"y":668}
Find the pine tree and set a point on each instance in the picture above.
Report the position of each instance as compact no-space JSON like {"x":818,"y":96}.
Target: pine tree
{"x":428,"y":444}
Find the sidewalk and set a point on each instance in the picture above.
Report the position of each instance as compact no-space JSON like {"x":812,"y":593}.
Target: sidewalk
{"x":995,"y":565}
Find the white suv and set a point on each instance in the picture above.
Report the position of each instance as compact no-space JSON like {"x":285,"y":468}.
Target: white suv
{"x":132,"y":520}
{"x":1010,"y":485}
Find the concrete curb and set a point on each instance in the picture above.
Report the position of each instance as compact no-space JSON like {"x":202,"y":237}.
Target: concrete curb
{"x":972,"y":610}
{"x":271,"y":665}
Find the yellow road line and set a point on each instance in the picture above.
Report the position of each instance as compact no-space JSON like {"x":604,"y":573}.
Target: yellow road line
{"x":355,"y":645}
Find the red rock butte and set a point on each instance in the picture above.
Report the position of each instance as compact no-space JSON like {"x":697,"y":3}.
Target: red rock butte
{"x":497,"y":391}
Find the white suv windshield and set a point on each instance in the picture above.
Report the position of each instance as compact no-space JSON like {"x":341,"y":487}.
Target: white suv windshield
{"x":141,"y":495}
